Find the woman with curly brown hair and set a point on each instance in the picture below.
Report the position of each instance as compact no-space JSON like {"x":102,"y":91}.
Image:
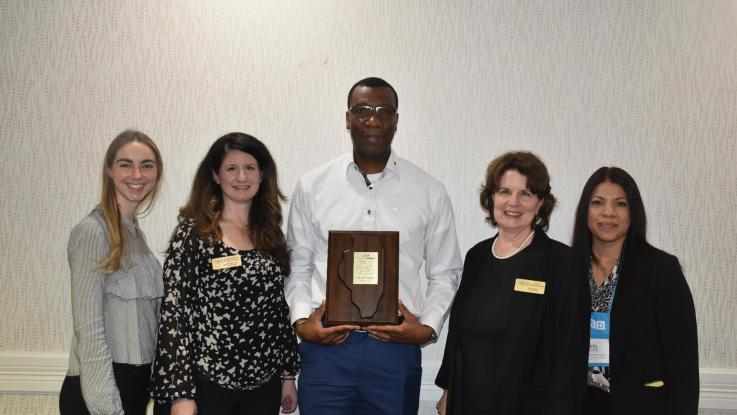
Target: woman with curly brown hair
{"x":518,"y":325}
{"x":225,"y":344}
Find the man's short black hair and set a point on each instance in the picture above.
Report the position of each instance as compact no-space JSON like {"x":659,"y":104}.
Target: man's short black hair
{"x":373,"y":82}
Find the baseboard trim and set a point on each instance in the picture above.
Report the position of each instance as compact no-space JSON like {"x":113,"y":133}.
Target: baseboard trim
{"x":718,"y":387}
{"x":32,"y":373}
{"x":43,"y":373}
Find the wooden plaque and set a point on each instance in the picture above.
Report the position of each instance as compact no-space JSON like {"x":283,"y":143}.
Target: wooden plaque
{"x":363,"y":278}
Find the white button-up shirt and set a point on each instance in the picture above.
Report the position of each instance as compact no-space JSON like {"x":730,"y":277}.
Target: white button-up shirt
{"x":404,"y":198}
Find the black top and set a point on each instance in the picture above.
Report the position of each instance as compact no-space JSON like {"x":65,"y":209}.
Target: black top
{"x":654,"y":362}
{"x":542,"y":358}
{"x":230,"y":325}
{"x":483,"y":326}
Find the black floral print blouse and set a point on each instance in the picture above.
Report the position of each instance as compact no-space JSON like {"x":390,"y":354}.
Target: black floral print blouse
{"x":229,"y":325}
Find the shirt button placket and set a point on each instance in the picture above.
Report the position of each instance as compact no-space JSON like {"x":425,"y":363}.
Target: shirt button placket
{"x":370,"y":213}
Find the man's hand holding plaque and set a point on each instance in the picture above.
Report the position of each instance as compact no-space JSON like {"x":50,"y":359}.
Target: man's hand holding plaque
{"x":411,"y":330}
{"x":313,"y":331}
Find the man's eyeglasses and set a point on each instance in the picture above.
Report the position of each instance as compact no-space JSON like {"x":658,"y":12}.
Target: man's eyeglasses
{"x":363,"y":112}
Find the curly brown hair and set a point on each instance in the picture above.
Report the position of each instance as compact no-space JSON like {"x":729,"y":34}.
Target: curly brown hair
{"x":205,"y":203}
{"x":538,"y":181}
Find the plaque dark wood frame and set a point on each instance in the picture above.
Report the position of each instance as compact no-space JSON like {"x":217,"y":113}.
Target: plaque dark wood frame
{"x":342,"y":294}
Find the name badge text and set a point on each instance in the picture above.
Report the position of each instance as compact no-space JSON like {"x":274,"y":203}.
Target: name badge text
{"x":226,"y":262}
{"x":529,"y":286}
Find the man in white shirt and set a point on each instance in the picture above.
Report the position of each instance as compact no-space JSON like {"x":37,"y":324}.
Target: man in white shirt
{"x":377,"y":371}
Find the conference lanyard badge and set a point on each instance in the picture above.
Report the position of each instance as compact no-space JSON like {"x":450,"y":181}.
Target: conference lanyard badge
{"x":599,"y":339}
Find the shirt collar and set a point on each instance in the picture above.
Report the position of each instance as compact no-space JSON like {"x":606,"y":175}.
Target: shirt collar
{"x":609,"y":280}
{"x":392,"y":165}
{"x":131,"y":225}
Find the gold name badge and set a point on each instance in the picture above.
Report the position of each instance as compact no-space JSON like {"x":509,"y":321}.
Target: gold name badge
{"x":529,"y":286}
{"x":365,"y":268}
{"x":655,"y":384}
{"x":226,"y":262}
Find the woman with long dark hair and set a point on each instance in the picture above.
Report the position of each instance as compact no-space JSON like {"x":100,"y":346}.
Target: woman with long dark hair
{"x":116,"y":287}
{"x":643,"y":355}
{"x":225,"y":344}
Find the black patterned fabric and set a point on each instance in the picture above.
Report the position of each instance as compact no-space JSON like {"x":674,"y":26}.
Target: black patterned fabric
{"x":229,"y":325}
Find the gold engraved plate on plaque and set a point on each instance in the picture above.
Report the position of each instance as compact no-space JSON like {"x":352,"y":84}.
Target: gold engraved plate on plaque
{"x":365,"y":268}
{"x":226,"y":262}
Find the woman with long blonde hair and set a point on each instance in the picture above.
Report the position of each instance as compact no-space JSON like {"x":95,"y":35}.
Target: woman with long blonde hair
{"x":116,"y":287}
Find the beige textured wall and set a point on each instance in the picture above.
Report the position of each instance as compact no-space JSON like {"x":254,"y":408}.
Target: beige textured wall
{"x":649,"y":86}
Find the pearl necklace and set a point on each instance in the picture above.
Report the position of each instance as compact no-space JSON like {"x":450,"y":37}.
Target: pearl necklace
{"x":516,"y":251}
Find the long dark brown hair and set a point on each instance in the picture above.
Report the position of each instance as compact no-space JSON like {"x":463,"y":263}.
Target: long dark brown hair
{"x":205,"y":203}
{"x":635,"y":246}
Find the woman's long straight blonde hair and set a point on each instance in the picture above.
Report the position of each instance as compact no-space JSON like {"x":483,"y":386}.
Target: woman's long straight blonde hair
{"x":109,"y":203}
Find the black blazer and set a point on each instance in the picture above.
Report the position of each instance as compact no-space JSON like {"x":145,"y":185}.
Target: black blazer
{"x":653,"y":338}
{"x":546,"y":346}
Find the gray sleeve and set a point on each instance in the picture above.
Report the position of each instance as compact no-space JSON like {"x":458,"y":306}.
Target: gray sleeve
{"x":87,"y":246}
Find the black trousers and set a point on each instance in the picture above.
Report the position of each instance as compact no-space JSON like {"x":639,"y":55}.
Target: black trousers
{"x":596,"y":402}
{"x":131,"y":380}
{"x":213,"y":399}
